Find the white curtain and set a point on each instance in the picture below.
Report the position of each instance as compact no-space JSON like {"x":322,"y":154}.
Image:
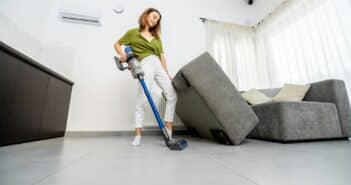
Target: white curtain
{"x":302,"y":41}
{"x":234,"y":49}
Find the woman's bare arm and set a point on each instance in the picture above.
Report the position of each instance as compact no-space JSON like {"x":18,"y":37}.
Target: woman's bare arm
{"x":120,"y":52}
{"x":164,"y":64}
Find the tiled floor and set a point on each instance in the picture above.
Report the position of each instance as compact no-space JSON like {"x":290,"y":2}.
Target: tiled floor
{"x":112,"y":161}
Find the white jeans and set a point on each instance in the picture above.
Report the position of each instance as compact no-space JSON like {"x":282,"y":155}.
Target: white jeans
{"x":153,"y":70}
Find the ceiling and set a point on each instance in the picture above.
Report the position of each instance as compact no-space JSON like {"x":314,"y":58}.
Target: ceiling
{"x":260,"y":9}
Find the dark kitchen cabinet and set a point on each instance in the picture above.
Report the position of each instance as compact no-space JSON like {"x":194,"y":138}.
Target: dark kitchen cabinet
{"x":34,"y":100}
{"x":8,"y":71}
{"x":55,"y":109}
{"x":27,"y":104}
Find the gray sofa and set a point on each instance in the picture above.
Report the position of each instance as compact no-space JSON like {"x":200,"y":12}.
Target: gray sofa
{"x":323,"y":114}
{"x":209,"y":104}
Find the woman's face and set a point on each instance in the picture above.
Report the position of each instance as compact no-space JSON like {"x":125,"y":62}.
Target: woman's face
{"x":152,"y":19}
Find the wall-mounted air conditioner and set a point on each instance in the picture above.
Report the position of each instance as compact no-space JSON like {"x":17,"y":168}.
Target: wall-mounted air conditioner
{"x":81,"y":11}
{"x":78,"y":18}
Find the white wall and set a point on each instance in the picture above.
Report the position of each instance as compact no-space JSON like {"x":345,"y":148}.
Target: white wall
{"x":102,"y":97}
{"x":261,"y":9}
{"x":22,"y":25}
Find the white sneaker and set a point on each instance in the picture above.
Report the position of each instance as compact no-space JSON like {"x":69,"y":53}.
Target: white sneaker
{"x":136,"y":141}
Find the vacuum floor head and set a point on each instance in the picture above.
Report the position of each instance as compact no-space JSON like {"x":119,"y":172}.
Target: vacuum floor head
{"x":177,"y":145}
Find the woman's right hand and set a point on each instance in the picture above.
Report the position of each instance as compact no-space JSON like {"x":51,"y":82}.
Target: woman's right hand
{"x":123,"y":57}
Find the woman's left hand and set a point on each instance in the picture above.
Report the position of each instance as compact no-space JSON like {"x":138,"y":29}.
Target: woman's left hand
{"x":170,"y":77}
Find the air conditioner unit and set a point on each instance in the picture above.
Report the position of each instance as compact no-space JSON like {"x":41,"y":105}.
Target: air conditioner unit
{"x":79,"y":18}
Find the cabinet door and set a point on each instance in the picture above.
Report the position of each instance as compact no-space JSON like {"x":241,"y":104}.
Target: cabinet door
{"x":27,"y":104}
{"x":8,"y":70}
{"x":56,"y":109}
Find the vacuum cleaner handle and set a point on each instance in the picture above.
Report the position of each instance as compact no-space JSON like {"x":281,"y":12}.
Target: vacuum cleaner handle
{"x":132,"y":64}
{"x":120,"y":64}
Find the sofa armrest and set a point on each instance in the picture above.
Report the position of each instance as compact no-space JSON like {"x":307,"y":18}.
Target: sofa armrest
{"x":180,"y":83}
{"x":333,"y":91}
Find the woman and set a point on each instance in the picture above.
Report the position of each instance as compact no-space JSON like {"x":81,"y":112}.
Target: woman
{"x":147,"y":46}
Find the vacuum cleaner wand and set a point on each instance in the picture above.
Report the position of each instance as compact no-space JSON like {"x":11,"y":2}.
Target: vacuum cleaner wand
{"x":138,"y":73}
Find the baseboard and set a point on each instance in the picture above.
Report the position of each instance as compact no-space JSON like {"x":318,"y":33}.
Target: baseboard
{"x":146,"y":131}
{"x":299,"y":141}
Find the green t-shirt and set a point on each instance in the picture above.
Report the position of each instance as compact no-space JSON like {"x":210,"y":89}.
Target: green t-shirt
{"x":141,"y":47}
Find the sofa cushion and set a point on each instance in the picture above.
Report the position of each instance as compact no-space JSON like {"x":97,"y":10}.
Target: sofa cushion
{"x":254,"y":97}
{"x":289,"y":93}
{"x":292,"y":92}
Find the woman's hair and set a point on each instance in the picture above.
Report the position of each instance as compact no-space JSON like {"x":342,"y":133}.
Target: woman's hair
{"x":156,"y":30}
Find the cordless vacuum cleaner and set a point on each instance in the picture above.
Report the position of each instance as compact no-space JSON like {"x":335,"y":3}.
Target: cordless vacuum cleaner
{"x":138,"y":73}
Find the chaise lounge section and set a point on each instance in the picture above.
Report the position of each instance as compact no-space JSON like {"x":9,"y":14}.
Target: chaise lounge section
{"x":324,"y":113}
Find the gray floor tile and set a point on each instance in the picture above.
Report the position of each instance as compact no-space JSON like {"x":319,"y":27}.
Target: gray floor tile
{"x":112,"y":160}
